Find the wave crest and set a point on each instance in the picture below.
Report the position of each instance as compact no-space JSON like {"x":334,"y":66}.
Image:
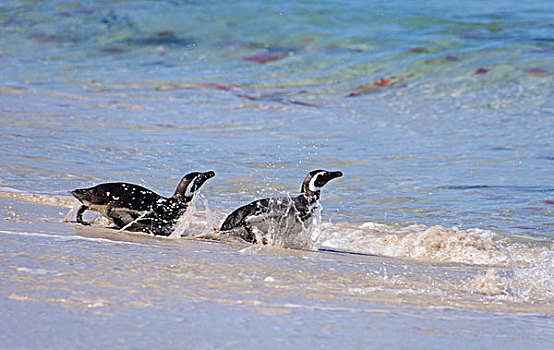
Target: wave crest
{"x":433,"y":244}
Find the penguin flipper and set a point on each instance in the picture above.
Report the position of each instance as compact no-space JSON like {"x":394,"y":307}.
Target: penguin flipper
{"x":125,"y":216}
{"x":238,"y":222}
{"x":239,"y":216}
{"x":80,"y":212}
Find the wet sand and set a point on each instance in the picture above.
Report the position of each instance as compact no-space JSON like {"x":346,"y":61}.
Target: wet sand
{"x":64,"y":284}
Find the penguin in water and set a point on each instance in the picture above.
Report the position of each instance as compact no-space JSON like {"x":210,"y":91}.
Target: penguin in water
{"x":136,"y":208}
{"x":279,"y":220}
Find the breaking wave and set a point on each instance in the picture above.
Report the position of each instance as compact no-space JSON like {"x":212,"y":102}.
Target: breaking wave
{"x":531,"y":284}
{"x":419,"y":242}
{"x":516,"y":271}
{"x":433,"y":244}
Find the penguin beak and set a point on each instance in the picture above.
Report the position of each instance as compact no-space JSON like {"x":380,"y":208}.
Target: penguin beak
{"x":328,"y":176}
{"x":208,"y":175}
{"x":333,"y":175}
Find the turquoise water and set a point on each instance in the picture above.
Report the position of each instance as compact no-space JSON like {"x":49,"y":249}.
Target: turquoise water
{"x":439,"y":115}
{"x":148,"y":90}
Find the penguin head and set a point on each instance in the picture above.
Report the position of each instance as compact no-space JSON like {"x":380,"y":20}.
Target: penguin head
{"x":82,"y":194}
{"x":190,"y":183}
{"x":316,"y":179}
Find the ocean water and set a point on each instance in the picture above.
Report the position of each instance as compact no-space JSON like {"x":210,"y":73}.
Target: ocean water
{"x":439,"y":114}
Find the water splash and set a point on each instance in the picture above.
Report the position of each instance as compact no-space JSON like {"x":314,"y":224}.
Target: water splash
{"x":195,"y":222}
{"x":488,"y":284}
{"x":283,"y":226}
{"x":536,"y":282}
{"x":142,"y":216}
{"x":530,"y":285}
{"x":70,"y":216}
{"x":96,"y":218}
{"x":185,"y":221}
{"x":435,"y":243}
{"x":278,"y":222}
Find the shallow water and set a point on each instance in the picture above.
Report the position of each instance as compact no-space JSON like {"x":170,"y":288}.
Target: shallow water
{"x":95,"y":286}
{"x":440,"y":117}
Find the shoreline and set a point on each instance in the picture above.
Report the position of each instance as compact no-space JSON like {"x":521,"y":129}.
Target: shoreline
{"x":91,"y":281}
{"x":478,"y":291}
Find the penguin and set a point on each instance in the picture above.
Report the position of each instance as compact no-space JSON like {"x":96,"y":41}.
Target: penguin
{"x":279,"y":219}
{"x":136,"y":208}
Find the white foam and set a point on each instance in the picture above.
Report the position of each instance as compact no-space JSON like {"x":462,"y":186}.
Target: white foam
{"x":38,"y":271}
{"x":435,"y":243}
{"x":9,"y":189}
{"x":488,"y":284}
{"x":194,"y":219}
{"x":51,"y":200}
{"x":535,"y":282}
{"x":67,"y":238}
{"x":282,"y":226}
{"x":531,"y":284}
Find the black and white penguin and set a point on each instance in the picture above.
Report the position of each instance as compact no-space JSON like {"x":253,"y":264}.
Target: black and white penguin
{"x":136,"y":208}
{"x":277,"y":219}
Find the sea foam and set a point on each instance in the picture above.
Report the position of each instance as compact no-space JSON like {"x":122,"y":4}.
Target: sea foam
{"x":434,"y":244}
